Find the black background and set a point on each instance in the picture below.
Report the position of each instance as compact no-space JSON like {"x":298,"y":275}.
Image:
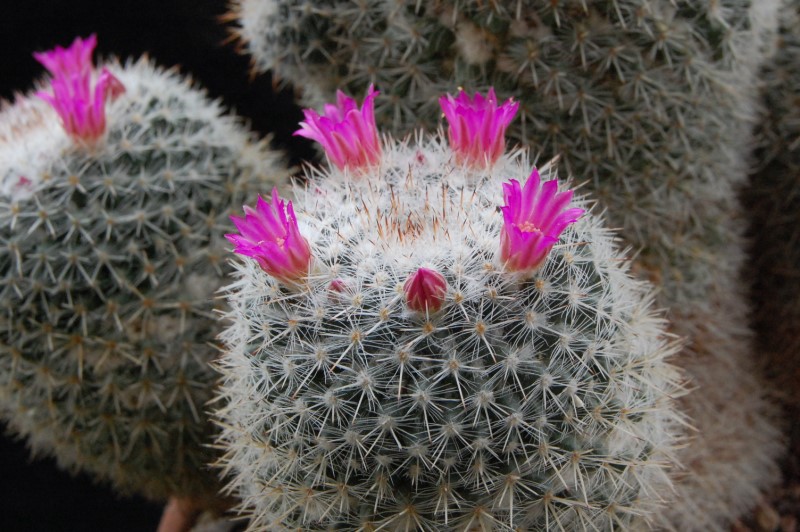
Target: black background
{"x":34,"y":494}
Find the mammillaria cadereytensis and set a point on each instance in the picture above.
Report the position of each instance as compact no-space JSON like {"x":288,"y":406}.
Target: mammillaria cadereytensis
{"x":652,"y":102}
{"x":417,"y":370}
{"x":113,"y":195}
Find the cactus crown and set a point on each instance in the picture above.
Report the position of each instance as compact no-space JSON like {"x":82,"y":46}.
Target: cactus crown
{"x":635,"y":96}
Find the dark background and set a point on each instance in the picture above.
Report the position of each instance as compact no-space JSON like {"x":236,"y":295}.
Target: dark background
{"x":34,"y":494}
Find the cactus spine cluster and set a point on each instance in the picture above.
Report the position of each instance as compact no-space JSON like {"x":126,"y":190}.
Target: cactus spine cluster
{"x":652,"y":102}
{"x":110,"y":253}
{"x":407,"y":380}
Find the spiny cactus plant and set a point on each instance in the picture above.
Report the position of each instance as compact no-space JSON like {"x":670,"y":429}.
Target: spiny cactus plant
{"x":651,"y":102}
{"x":420,"y":346}
{"x":640,"y":97}
{"x":774,"y":200}
{"x":113,"y":198}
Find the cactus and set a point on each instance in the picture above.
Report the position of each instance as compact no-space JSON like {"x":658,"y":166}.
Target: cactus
{"x":111,"y":250}
{"x":651,"y":102}
{"x":651,"y":98}
{"x":774,"y":200}
{"x":404,"y":356}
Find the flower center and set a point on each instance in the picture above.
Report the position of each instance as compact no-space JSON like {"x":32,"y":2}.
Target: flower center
{"x":528,"y":227}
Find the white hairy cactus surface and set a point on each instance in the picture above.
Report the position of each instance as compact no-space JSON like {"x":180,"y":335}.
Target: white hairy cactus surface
{"x":110,"y":253}
{"x":652,"y":102}
{"x":526,"y":401}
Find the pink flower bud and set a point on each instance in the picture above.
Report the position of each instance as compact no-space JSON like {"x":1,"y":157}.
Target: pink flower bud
{"x":338,"y":286}
{"x":425,"y":290}
{"x":534,"y":216}
{"x":477,"y":127}
{"x":273,"y":239}
{"x":348,"y":135}
{"x":79,"y":99}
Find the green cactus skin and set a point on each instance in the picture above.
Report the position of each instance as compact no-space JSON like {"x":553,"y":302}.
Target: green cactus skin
{"x":538,"y":402}
{"x":110,"y":257}
{"x":773,"y":198}
{"x":652,"y":101}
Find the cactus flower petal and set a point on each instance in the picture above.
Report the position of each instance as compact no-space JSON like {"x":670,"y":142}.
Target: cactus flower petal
{"x":477,"y":126}
{"x":425,"y":290}
{"x":348,"y":134}
{"x":534,"y":217}
{"x":78,"y":96}
{"x":270,"y":235}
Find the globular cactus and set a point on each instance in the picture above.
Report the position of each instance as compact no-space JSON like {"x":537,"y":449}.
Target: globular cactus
{"x":651,"y":101}
{"x":418,"y":346}
{"x":114,"y":195}
{"x":774,"y":200}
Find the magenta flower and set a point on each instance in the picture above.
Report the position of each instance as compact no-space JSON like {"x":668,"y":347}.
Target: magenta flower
{"x":272,"y":239}
{"x":535,"y":217}
{"x":348,"y":135}
{"x":78,"y":101}
{"x":425,"y":290}
{"x":477,"y":127}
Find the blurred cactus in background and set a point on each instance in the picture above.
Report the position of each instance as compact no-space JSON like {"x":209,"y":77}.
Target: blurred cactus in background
{"x":652,"y":102}
{"x":774,"y":200}
{"x":116,"y":187}
{"x":429,"y":339}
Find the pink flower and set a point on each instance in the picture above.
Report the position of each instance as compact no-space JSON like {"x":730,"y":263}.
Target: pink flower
{"x":80,"y":105}
{"x":348,"y":135}
{"x":272,"y":239}
{"x":535,"y":217}
{"x":477,"y":127}
{"x":425,"y":290}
